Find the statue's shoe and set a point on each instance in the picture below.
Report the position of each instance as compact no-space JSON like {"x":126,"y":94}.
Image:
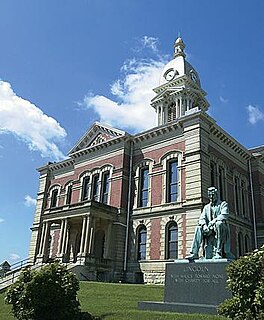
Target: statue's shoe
{"x":217,"y":256}
{"x":192,"y":256}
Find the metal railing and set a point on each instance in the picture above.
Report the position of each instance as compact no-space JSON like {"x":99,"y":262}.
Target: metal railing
{"x":13,"y":273}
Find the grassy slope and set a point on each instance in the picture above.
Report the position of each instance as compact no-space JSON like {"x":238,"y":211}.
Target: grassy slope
{"x":118,"y":302}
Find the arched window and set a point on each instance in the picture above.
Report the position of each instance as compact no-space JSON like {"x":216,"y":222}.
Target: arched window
{"x":172,"y":181}
{"x":142,"y":241}
{"x":54,"y":198}
{"x":172,"y":241}
{"x":69,"y":194}
{"x":213,"y":174}
{"x":105,"y":187}
{"x":95,"y":187}
{"x":237,"y":195}
{"x":142,"y":179}
{"x":85,"y":188}
{"x":144,"y":187}
{"x":221,"y":175}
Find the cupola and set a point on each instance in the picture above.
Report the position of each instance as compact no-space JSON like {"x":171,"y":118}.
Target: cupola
{"x":179,"y":92}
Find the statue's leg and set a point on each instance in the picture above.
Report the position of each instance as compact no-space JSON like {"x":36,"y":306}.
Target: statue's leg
{"x":197,"y":240}
{"x":209,"y":246}
{"x":220,"y":238}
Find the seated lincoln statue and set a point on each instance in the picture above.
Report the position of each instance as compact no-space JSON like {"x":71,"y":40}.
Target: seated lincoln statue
{"x":212,"y":231}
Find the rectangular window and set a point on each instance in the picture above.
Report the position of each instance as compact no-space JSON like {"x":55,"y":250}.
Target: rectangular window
{"x":213,"y":174}
{"x":243,"y":196}
{"x":221,"y":183}
{"x":144,"y":186}
{"x":85,"y":189}
{"x":142,"y":241}
{"x":54,"y":198}
{"x":172,"y":181}
{"x":237,"y":194}
{"x":69,"y":195}
{"x":95,"y":188}
{"x":105,"y":187}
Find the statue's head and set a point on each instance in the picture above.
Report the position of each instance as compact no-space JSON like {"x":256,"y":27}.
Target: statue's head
{"x":212,"y":194}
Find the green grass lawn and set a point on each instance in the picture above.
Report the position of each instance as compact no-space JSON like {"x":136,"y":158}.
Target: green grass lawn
{"x":118,"y":302}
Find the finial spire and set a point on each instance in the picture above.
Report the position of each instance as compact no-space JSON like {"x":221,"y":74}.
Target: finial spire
{"x":179,"y":47}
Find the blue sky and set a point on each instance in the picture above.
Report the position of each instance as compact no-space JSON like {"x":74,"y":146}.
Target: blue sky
{"x":65,"y":64}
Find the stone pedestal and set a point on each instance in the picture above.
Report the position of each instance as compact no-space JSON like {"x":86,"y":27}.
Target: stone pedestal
{"x":196,"y":287}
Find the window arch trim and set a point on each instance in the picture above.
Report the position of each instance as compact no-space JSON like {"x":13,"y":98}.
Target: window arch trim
{"x":141,"y":234}
{"x":171,"y":238}
{"x":166,"y":160}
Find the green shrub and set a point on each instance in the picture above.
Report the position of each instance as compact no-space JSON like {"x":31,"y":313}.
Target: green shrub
{"x":47,"y":294}
{"x":246,"y":282}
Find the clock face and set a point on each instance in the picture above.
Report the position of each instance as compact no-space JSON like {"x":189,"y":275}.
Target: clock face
{"x":169,"y":74}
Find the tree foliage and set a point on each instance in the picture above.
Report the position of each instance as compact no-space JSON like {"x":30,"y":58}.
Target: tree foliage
{"x":47,"y":294}
{"x":246,"y":282}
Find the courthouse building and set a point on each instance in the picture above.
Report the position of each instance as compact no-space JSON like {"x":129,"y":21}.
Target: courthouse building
{"x":121,"y":205}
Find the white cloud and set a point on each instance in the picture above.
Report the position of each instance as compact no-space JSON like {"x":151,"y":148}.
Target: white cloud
{"x":132,"y":93}
{"x":223,"y":100}
{"x":28,"y":123}
{"x":14,"y":257}
{"x":150,"y":42}
{"x":2,"y":220}
{"x":255,"y":114}
{"x":29,"y":201}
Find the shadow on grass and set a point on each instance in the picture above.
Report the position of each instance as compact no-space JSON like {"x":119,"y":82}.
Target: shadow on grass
{"x":104,"y":315}
{"x":87,"y":316}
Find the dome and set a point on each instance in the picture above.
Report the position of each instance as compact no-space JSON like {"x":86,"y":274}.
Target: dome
{"x":178,"y":67}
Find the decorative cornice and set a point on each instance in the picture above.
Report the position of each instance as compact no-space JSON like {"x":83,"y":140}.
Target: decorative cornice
{"x":183,"y":80}
{"x":157,"y":131}
{"x":97,"y":127}
{"x":225,"y":138}
{"x":100,"y":146}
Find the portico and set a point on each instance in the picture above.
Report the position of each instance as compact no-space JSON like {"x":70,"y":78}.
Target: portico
{"x":84,"y":233}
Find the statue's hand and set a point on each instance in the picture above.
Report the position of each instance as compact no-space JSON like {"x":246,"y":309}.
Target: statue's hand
{"x":205,"y":229}
{"x":211,"y":224}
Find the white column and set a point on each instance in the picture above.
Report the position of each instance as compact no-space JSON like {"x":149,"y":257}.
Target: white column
{"x":83,"y":234}
{"x":66,"y":238}
{"x":87,"y":234}
{"x":46,"y":239}
{"x":41,"y":238}
{"x":61,"y":236}
{"x":162,"y":115}
{"x":180,"y":107}
{"x":91,"y":240}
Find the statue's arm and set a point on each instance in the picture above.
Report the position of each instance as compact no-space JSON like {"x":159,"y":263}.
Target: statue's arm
{"x":202,"y":219}
{"x":224,"y":212}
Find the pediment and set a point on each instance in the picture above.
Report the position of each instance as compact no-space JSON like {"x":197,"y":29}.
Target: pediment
{"x":97,"y":134}
{"x":165,"y":93}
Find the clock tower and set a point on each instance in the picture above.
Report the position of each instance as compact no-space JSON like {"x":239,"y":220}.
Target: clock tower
{"x":179,"y":92}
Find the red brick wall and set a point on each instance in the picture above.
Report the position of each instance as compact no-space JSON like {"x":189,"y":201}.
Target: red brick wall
{"x":156,"y":187}
{"x":155,"y":239}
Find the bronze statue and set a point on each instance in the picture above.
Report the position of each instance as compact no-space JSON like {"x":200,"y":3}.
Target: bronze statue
{"x":212,"y":230}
